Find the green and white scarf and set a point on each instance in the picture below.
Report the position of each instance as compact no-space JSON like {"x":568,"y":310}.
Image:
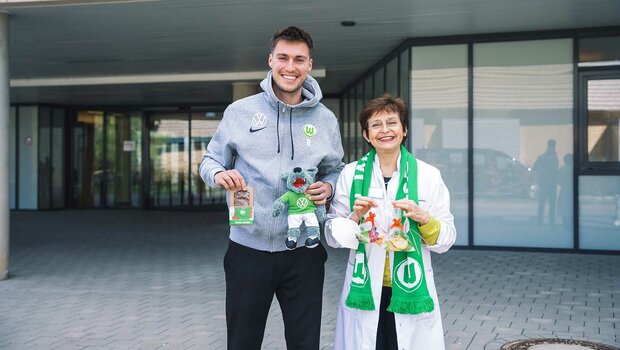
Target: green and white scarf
{"x":409,"y":291}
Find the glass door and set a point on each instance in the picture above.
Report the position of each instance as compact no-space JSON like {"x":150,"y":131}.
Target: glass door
{"x":169,"y":159}
{"x":599,"y":172}
{"x":106,"y":160}
{"x":123,"y":159}
{"x":88,"y":160}
{"x":204,"y":124}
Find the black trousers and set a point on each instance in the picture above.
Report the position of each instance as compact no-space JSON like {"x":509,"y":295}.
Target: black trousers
{"x":386,"y":330}
{"x":253,"y":277}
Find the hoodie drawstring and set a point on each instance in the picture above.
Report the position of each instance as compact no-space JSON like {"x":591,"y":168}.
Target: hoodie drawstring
{"x":290,"y":130}
{"x":290,"y":125}
{"x":278,"y":126}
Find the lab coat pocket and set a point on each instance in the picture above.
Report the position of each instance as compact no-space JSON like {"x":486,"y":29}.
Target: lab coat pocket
{"x":354,"y":325}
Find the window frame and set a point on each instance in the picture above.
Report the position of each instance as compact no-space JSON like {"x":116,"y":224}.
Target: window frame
{"x":585,"y":166}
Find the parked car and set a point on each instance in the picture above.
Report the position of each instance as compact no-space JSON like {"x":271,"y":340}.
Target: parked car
{"x":496,"y":174}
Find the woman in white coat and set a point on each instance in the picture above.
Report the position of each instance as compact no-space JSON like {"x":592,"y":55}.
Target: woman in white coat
{"x":389,"y":300}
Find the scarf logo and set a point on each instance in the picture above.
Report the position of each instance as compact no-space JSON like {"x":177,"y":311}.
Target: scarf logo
{"x":302,"y":203}
{"x":360,"y":275}
{"x":309,"y":130}
{"x":408,"y":275}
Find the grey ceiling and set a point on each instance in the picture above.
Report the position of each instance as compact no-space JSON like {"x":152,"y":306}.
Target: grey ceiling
{"x":198,"y":36}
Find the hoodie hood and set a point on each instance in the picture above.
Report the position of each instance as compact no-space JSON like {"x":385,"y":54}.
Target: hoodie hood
{"x":310,"y":91}
{"x":311,"y":97}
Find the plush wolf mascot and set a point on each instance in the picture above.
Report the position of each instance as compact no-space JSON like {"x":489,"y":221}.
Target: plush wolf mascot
{"x":300,"y":208}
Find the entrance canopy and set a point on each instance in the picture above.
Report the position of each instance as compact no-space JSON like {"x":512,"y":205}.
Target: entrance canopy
{"x":56,"y":41}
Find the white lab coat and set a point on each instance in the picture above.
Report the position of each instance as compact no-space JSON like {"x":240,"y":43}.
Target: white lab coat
{"x":357,"y":329}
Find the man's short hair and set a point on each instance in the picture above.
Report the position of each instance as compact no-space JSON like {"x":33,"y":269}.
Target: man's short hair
{"x":292,"y":33}
{"x":385,"y":103}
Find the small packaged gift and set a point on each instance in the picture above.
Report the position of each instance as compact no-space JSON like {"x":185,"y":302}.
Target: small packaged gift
{"x":395,"y":237}
{"x":241,"y":210}
{"x":369,"y":232}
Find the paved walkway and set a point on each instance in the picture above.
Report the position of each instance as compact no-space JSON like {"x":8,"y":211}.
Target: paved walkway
{"x":154,"y":280}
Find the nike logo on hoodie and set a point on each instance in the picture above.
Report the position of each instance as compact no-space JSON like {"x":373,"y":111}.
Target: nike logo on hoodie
{"x":255,"y":130}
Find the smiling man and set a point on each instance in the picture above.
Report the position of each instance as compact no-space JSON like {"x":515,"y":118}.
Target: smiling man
{"x":259,"y":138}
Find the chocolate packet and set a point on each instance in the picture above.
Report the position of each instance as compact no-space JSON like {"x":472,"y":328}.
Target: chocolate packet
{"x":241,"y":209}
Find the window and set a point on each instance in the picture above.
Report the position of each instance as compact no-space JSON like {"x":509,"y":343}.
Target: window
{"x":438,"y":125}
{"x":523,"y":132}
{"x":600,"y":121}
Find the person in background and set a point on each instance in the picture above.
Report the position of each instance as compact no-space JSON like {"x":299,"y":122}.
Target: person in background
{"x":546,"y":168}
{"x":565,"y":197}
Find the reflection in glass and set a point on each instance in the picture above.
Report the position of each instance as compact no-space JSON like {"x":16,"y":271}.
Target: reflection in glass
{"x":603,"y":120}
{"x":599,"y":51}
{"x":368,"y":95}
{"x":345,"y":127}
{"x":599,"y":212}
{"x":58,"y":158}
{"x":12,"y":159}
{"x":352,"y":126}
{"x":88,"y":169}
{"x":391,"y":77}
{"x":404,"y":75}
{"x":204,"y":124}
{"x":124,"y":159}
{"x":360,"y":142}
{"x":438,"y":128}
{"x":169,"y":165}
{"x":27,"y":162}
{"x":45,"y":161}
{"x":379,"y":82}
{"x":522,"y":138}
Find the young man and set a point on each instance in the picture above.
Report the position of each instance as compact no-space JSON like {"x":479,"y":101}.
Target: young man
{"x":259,"y":138}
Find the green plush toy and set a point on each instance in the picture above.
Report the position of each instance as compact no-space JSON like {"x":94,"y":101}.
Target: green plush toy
{"x":300,"y":208}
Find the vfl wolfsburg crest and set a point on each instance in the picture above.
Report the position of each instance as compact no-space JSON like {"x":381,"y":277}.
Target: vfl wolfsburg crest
{"x":360,"y":273}
{"x":408,"y":275}
{"x":302,"y":203}
{"x":309,"y":130}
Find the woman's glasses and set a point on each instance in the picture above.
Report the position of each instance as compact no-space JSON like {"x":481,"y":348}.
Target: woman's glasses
{"x":390,"y":124}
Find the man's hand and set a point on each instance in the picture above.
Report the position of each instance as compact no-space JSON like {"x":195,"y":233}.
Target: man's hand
{"x":318,"y":192}
{"x":231,"y":180}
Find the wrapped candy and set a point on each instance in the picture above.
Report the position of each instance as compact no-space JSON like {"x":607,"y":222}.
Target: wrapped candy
{"x":393,"y":237}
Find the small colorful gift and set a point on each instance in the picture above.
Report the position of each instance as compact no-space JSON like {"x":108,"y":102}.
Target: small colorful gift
{"x":395,"y":237}
{"x":241,"y":209}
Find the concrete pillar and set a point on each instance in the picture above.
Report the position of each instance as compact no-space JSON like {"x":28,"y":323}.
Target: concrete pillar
{"x":244,"y":89}
{"x":4,"y":145}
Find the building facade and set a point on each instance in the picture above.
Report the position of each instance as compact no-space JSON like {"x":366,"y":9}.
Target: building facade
{"x":523,"y":126}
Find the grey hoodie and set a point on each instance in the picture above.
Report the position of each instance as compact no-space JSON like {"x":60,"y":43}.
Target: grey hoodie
{"x":262,"y":137}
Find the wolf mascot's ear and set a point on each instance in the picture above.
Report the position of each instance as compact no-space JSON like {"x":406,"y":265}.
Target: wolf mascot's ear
{"x":312,"y":171}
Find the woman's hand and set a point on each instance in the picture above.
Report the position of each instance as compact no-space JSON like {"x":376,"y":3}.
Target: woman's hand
{"x":361,"y":206}
{"x":412,"y":211}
